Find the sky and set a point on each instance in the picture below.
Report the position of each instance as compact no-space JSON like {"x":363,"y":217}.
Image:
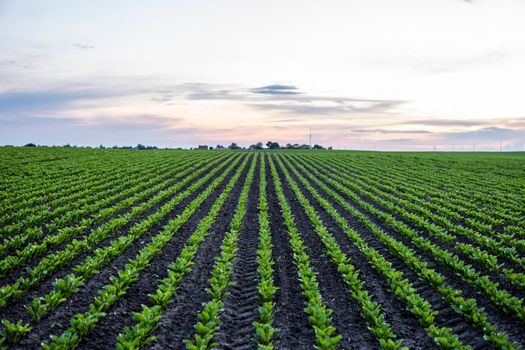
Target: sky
{"x":376,"y":74}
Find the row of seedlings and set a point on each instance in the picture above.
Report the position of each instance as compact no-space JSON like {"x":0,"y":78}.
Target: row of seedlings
{"x":319,"y":314}
{"x":209,"y":317}
{"x":82,"y":324}
{"x":476,"y":232}
{"x":467,"y":308}
{"x":68,"y":285}
{"x":264,"y":328}
{"x":83,"y":209}
{"x":89,"y":191}
{"x":132,"y":195}
{"x":401,"y":287}
{"x":457,"y":197}
{"x":500,"y":297}
{"x":55,"y":261}
{"x":485,"y":259}
{"x":53,"y":191}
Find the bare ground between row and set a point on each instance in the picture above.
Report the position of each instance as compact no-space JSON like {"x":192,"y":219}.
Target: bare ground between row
{"x":58,"y":321}
{"x":449,"y":318}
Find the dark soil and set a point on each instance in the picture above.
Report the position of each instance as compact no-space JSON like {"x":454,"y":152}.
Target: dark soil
{"x":354,"y":330}
{"x":236,"y":329}
{"x":241,"y":305}
{"x":57,"y":321}
{"x":179,"y":318}
{"x":21,"y":271}
{"x":295,"y":331}
{"x":101,"y":184}
{"x":499,"y":278}
{"x":447,"y":315}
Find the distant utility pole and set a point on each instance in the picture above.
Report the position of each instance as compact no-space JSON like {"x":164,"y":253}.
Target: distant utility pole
{"x":434,"y":148}
{"x":500,"y":145}
{"x":310,"y":138}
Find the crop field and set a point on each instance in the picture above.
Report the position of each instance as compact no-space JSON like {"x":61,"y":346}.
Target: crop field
{"x":118,"y":249}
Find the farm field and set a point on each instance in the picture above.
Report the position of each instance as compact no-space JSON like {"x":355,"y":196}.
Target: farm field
{"x":117,"y":249}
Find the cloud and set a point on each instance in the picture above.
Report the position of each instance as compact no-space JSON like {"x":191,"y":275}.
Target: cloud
{"x":133,"y":121}
{"x":276,"y":90}
{"x":199,"y":91}
{"x":489,"y":134}
{"x":301,"y":109}
{"x":144,"y":122}
{"x":216,"y":95}
{"x":105,"y":129}
{"x":387,"y":131}
{"x":36,"y":120}
{"x":515,"y":123}
{"x":39,"y":101}
{"x":285,"y":98}
{"x":49,"y":101}
{"x":509,"y":123}
{"x":83,"y":46}
{"x":333,"y":106}
{"x":203,"y":91}
{"x":445,"y":122}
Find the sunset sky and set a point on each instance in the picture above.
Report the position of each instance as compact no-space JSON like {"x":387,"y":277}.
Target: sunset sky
{"x":389,"y":75}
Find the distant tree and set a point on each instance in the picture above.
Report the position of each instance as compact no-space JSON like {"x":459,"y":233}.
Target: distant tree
{"x":30,"y":144}
{"x":330,"y":148}
{"x":272,"y":145}
{"x":101,"y":147}
{"x":234,"y":146}
{"x":316,"y":146}
{"x":210,"y":148}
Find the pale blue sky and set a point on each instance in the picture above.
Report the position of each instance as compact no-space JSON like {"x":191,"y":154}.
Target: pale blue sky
{"x":407,"y":74}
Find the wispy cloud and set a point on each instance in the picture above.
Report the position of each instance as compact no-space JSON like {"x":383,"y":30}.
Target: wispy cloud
{"x":318,"y":107}
{"x":489,"y":134}
{"x":98,"y":129}
{"x":83,"y":46}
{"x":285,"y":98}
{"x":79,"y":113}
{"x":445,"y":122}
{"x":389,"y":131}
{"x":41,"y":101}
{"x":466,"y":125}
{"x":49,"y":101}
{"x":276,"y":89}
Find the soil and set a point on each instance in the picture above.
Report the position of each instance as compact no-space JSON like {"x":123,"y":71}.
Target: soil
{"x":241,"y":304}
{"x":58,"y":321}
{"x":447,"y":315}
